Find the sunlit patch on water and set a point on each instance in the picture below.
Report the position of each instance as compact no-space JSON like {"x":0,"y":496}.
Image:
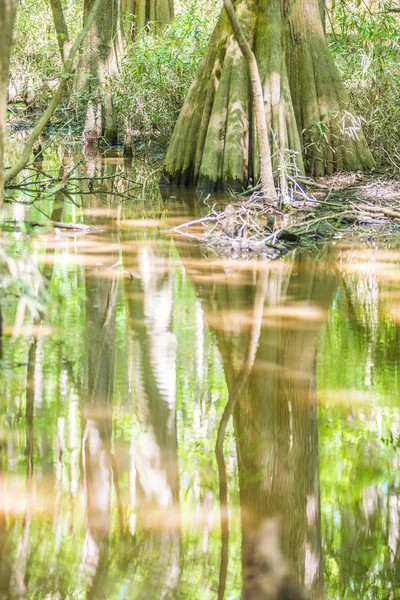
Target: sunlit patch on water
{"x":142,"y":223}
{"x":353,"y":397}
{"x":30,"y":330}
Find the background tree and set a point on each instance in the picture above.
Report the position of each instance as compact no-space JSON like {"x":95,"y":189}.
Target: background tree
{"x":98,"y":64}
{"x":98,"y":61}
{"x":309,"y":117}
{"x":140,"y":13}
{"x":55,"y":100}
{"x":61,"y":27}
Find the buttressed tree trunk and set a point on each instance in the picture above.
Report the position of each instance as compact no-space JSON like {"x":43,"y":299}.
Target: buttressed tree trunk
{"x":309,"y":117}
{"x":8,"y":9}
{"x":99,"y":60}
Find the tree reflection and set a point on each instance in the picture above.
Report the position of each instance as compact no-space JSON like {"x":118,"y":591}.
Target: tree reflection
{"x":22,"y":555}
{"x":275,"y":414}
{"x":279,"y":475}
{"x":97,"y":414}
{"x":153,"y":454}
{"x":5,"y":558}
{"x":359,"y":390}
{"x":135,"y":377}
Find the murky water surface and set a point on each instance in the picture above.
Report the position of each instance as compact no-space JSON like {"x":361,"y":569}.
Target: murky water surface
{"x":110,"y":484}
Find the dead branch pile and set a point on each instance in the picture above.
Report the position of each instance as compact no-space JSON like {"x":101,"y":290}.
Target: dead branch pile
{"x":246,"y":227}
{"x":251,"y":227}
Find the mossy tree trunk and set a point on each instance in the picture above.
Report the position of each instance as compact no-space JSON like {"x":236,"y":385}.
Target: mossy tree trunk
{"x":308,"y":115}
{"x":332,"y":136}
{"x":8,"y":9}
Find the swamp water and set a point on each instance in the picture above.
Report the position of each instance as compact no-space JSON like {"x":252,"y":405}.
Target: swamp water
{"x":111,"y":402}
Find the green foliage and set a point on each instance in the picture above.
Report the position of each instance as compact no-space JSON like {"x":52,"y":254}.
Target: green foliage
{"x":21,"y":279}
{"x":35,"y":60}
{"x":157,"y":71}
{"x":358,"y":393}
{"x":366,"y":49}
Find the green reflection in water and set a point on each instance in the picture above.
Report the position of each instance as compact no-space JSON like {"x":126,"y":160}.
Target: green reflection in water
{"x":111,"y":403}
{"x":358,"y":378}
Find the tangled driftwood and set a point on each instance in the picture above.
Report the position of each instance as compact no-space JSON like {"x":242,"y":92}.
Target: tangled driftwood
{"x":250,"y":226}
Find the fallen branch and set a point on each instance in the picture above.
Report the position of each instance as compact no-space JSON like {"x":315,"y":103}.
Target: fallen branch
{"x":388,"y":212}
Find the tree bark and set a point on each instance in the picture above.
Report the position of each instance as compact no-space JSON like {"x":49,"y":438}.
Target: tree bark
{"x":264,"y":151}
{"x":151,"y":13}
{"x":127,"y":19}
{"x":98,"y":60}
{"x":8,"y":10}
{"x":332,"y":136}
{"x":307,"y":111}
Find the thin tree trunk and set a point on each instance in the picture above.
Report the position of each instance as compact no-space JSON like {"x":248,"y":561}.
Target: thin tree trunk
{"x":266,"y":175}
{"x":8,"y":10}
{"x":61,"y":29}
{"x":98,"y":61}
{"x":127,"y":19}
{"x":154,"y":13}
{"x":128,"y":151}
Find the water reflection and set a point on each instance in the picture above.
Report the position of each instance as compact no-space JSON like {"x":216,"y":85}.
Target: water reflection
{"x":111,"y":403}
{"x":275,"y":413}
{"x":153,"y":450}
{"x":97,"y":412}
